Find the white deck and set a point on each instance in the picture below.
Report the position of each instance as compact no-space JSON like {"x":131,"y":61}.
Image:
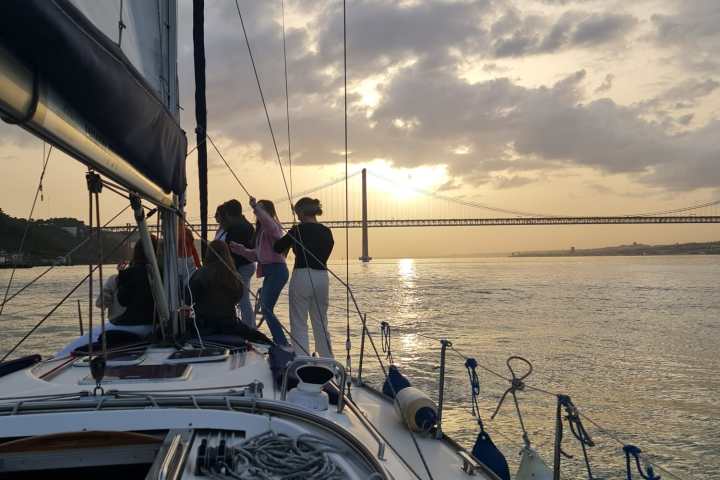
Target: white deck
{"x":368,"y":417}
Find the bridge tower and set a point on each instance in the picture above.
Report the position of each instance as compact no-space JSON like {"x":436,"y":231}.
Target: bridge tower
{"x":365,"y":254}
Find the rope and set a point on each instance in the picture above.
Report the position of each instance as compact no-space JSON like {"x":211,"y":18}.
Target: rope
{"x":272,"y":455}
{"x":516,"y":383}
{"x":632,"y":450}
{"x":386,"y":341}
{"x":572,"y":417}
{"x":27,"y":228}
{"x":474,"y":380}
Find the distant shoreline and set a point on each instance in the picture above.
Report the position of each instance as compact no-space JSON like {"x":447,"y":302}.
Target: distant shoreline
{"x":636,"y":250}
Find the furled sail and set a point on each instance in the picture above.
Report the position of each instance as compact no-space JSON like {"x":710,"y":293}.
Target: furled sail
{"x":106,"y":69}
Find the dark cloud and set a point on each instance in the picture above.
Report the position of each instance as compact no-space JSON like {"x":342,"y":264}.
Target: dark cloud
{"x":682,"y":96}
{"x":514,"y":36}
{"x":601,"y":28}
{"x":694,"y":29}
{"x":513,"y":181}
{"x":691,"y":90}
{"x":686,"y":119}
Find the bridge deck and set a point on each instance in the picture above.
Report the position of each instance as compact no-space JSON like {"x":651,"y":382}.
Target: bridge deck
{"x":467,"y":222}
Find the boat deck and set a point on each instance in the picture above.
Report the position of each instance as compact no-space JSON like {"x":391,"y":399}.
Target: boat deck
{"x":236,"y":395}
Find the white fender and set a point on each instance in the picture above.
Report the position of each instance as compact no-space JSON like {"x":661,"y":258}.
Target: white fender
{"x":532,"y":467}
{"x":409,"y":401}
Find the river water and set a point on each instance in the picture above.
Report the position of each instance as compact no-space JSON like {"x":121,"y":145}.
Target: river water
{"x":633,"y":340}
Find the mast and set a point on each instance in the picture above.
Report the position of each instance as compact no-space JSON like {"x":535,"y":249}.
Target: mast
{"x":201,"y":113}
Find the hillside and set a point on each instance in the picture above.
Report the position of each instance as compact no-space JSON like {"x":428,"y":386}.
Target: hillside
{"x":54,"y":237}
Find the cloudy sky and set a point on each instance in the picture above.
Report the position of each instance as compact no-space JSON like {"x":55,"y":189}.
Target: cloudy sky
{"x":554,"y":106}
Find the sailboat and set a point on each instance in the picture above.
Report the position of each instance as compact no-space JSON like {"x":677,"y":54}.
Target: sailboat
{"x":97,"y":79}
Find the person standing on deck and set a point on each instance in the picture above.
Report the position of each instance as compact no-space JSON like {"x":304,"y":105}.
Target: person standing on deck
{"x":237,"y":229}
{"x":312,"y":243}
{"x":271,"y":265}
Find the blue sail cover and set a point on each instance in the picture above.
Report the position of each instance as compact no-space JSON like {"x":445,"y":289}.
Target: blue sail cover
{"x":122,"y":107}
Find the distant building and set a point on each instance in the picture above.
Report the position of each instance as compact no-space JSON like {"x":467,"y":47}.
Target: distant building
{"x":74,"y":231}
{"x":11,"y":258}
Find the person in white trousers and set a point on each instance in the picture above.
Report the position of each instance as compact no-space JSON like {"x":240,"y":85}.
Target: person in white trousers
{"x":312,"y":243}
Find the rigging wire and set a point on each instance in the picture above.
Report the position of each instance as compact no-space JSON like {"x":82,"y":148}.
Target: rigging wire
{"x":287,"y":100}
{"x":253,"y":294}
{"x":282,"y":172}
{"x":347,"y":195}
{"x":262,"y":98}
{"x":27,"y":226}
{"x":73,"y":290}
{"x":319,"y":187}
{"x":365,"y":329}
{"x":73,"y":250}
{"x":207,"y":135}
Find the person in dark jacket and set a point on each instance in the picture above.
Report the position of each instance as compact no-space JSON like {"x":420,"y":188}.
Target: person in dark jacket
{"x":215,"y":288}
{"x":134,"y":292}
{"x":239,"y":230}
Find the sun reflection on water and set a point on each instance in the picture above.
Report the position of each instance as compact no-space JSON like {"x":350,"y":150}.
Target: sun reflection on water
{"x":406,"y":271}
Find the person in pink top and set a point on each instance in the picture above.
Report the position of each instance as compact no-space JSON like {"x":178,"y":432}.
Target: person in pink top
{"x":271,"y":265}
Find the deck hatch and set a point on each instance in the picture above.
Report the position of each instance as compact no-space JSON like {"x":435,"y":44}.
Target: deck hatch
{"x":140,"y":373}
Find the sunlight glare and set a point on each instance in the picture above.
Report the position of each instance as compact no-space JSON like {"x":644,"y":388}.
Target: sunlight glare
{"x":406,"y":184}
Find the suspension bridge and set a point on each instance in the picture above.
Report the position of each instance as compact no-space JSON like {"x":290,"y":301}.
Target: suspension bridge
{"x":376,"y":204}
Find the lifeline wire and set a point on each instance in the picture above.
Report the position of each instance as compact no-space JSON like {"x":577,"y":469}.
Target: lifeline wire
{"x":602,"y":429}
{"x":27,"y":226}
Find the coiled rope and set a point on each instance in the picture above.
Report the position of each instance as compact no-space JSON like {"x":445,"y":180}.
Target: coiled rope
{"x":275,"y":456}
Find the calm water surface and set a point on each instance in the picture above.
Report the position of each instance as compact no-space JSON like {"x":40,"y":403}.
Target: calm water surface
{"x":633,"y":340}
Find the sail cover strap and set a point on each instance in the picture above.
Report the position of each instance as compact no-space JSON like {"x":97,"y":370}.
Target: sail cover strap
{"x":88,"y":70}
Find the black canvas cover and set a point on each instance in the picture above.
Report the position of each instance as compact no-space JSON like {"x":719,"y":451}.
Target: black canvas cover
{"x":92,"y":74}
